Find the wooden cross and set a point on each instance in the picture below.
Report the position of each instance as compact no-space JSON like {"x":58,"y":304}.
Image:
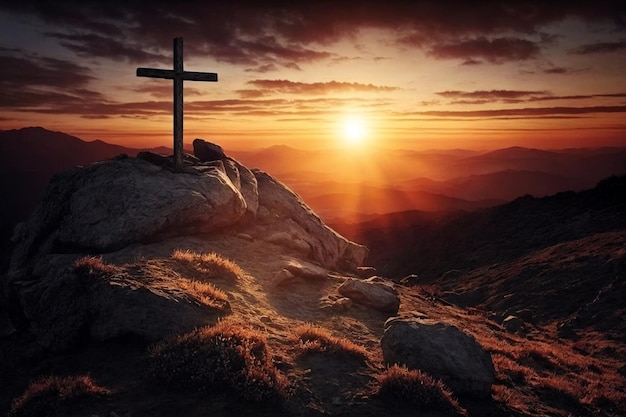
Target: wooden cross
{"x":178,"y":75}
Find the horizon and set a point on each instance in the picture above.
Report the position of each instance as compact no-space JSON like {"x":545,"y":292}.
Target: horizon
{"x":411,"y":76}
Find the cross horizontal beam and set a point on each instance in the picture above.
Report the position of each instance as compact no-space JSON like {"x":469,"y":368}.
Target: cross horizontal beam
{"x":171,"y":75}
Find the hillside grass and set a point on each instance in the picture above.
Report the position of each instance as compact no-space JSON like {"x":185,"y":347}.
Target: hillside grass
{"x":227,"y":356}
{"x":56,"y":396}
{"x":316,"y":339}
{"x":209,"y":265}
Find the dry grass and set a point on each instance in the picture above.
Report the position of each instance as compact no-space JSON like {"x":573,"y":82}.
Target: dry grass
{"x":53,"y":396}
{"x":210,"y":264}
{"x":224,"y":357}
{"x":417,"y":388}
{"x":314,"y":339}
{"x":206,"y":293}
{"x":90,"y":266}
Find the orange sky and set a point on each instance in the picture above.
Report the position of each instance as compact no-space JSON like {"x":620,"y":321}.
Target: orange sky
{"x":406,"y":74}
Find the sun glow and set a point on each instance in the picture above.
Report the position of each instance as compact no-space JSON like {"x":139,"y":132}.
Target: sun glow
{"x":354,"y":131}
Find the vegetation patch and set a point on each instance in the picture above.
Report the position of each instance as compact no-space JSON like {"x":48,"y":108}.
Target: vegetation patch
{"x":92,"y":266}
{"x":211,"y":265}
{"x":416,"y":388}
{"x":55,"y":396}
{"x":223,"y":357}
{"x":205,"y":293}
{"x":315,"y":339}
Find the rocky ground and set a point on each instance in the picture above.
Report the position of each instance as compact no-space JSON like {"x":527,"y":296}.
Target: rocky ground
{"x":95,"y":317}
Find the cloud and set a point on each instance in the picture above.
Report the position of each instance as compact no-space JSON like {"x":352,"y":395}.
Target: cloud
{"x":496,"y":50}
{"x":258,"y":34}
{"x":599,"y":48}
{"x":524,"y":112}
{"x":491,"y":94}
{"x":263,"y":87}
{"x":30,"y":81}
{"x":514,"y":96}
{"x":94,"y":45}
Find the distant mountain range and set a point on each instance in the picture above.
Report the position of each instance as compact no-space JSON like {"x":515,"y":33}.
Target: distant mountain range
{"x":557,"y":256}
{"x":339,"y":185}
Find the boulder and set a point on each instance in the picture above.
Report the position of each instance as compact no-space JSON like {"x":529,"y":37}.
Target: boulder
{"x":513,"y":324}
{"x":207,"y":151}
{"x":108,"y":205}
{"x":365,"y":271}
{"x":284,"y":217}
{"x":65,"y":307}
{"x":370,"y":293}
{"x":441,"y":350}
{"x":305,"y":269}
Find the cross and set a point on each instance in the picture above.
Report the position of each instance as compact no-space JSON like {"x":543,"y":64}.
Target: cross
{"x":178,"y":75}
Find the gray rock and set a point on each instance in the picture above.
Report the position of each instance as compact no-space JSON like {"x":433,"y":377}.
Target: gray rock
{"x":108,"y":205}
{"x":441,"y":350}
{"x":513,"y":324}
{"x":64,"y":307}
{"x":283,"y":278}
{"x":283,"y":211}
{"x":305,"y":269}
{"x":207,"y":151}
{"x":372,"y":294}
{"x":366,"y":271}
{"x":465,"y":299}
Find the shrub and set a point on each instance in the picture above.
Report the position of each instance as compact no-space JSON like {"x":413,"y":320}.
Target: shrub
{"x":416,"y":388}
{"x":90,"y":266}
{"x":317,"y":339}
{"x":225,"y":356}
{"x":52,"y":396}
{"x":210,"y":264}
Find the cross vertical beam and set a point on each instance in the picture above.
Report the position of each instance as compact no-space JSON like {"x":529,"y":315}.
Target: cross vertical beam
{"x":178,"y":74}
{"x":178,"y":104}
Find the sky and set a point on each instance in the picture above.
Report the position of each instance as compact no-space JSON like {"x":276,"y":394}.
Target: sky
{"x":401,"y":74}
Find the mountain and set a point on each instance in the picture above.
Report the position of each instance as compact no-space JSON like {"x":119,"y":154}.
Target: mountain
{"x":134,"y":290}
{"x":561,"y":257}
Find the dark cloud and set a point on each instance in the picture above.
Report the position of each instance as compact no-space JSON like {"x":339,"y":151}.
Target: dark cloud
{"x":258,"y":34}
{"x":23,"y":69}
{"x":513,"y":96}
{"x":523,"y":112}
{"x":263,"y":87}
{"x":31,"y":81}
{"x":496,"y":50}
{"x":89,"y":45}
{"x":599,"y":48}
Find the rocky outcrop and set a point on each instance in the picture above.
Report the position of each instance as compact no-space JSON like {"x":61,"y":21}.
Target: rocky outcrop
{"x":207,"y":151}
{"x":285,"y":219}
{"x":114,"y":206}
{"x":108,"y":205}
{"x":371,"y":293}
{"x":64,"y":306}
{"x":440,"y":350}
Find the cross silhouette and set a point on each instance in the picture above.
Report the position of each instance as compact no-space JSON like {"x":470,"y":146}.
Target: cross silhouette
{"x":178,"y":75}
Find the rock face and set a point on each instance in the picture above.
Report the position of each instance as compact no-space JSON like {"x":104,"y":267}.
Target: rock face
{"x":440,"y":350}
{"x":65,"y":307}
{"x":109,"y":205}
{"x":371,"y":293}
{"x":114,"y":206}
{"x":285,"y":219}
{"x":207,"y":151}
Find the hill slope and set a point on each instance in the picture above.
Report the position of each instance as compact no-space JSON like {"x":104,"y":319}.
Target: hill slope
{"x":563,"y":257}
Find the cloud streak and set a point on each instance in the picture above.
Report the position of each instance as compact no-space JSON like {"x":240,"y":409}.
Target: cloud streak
{"x":265,"y":87}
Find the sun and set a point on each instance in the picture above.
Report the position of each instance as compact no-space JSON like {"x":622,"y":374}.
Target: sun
{"x":354,"y":131}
